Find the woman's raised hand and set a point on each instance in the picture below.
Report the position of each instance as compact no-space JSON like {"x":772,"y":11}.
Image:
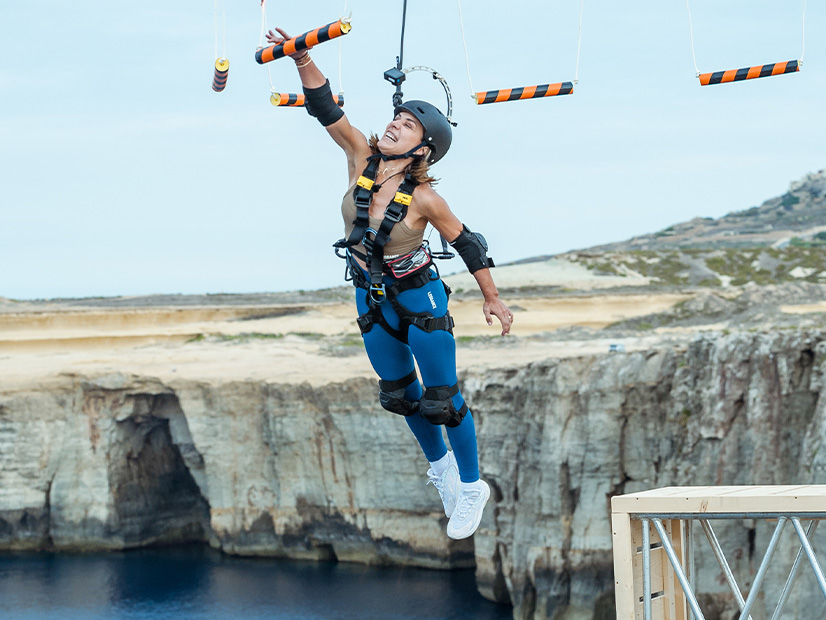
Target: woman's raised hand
{"x":279,"y":38}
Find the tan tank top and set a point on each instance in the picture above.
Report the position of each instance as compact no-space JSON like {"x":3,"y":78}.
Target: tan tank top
{"x":403,"y":239}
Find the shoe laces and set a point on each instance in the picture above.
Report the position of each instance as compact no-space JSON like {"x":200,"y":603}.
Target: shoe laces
{"x":467,"y":500}
{"x":436,"y":481}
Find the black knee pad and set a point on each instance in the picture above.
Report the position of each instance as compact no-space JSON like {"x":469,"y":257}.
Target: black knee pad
{"x":437,"y":406}
{"x":392,"y":395}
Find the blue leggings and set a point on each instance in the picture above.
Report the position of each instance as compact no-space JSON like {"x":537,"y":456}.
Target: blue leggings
{"x":435,"y":353}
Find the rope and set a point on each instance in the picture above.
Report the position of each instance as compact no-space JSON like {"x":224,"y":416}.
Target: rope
{"x":401,"y":47}
{"x":464,"y":45}
{"x":467,"y":58}
{"x":398,"y":95}
{"x":216,"y":29}
{"x":579,"y":42}
{"x":263,"y":23}
{"x":264,"y":28}
{"x":340,"y":82}
{"x":224,"y":17}
{"x":691,"y":36}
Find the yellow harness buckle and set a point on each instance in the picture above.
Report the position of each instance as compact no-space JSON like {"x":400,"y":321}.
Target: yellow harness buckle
{"x":403,"y":198}
{"x":365,"y":183}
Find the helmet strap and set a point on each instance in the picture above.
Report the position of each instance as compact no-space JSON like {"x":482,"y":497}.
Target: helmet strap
{"x":410,"y":153}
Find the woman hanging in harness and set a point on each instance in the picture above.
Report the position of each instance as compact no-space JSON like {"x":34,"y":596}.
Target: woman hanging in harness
{"x":402,"y":302}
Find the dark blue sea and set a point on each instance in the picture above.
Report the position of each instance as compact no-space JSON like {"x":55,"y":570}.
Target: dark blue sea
{"x":196,"y":583}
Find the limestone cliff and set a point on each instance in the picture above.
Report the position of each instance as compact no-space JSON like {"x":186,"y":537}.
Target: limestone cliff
{"x":296,"y":471}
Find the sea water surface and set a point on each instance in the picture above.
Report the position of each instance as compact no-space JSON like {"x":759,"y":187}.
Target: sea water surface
{"x":197,"y":583}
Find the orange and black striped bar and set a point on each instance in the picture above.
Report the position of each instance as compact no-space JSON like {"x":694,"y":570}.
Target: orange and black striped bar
{"x":219,"y":82}
{"x":749,"y":73}
{"x":303,"y":42}
{"x":524,"y":92}
{"x":295,"y":100}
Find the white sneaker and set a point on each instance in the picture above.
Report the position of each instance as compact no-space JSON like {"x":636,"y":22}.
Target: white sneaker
{"x":447,"y":484}
{"x":468,"y":514}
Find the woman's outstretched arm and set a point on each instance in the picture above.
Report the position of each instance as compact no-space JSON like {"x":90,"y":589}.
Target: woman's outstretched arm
{"x":350,"y":139}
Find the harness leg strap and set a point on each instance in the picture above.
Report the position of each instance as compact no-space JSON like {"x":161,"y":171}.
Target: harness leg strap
{"x":430,"y":324}
{"x":392,"y":395}
{"x":437,"y":406}
{"x":423,"y":320}
{"x":365,"y":322}
{"x":374,"y":316}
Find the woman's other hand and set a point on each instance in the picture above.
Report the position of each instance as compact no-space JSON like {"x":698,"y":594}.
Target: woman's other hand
{"x":496,"y":307}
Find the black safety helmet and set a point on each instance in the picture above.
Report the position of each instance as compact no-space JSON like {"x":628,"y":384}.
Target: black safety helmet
{"x":438,"y":133}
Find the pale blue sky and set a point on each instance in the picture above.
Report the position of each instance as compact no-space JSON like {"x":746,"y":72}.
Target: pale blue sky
{"x":123,"y":173}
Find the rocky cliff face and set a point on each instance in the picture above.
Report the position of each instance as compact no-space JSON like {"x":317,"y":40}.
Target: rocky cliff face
{"x":560,"y":439}
{"x":324,"y":473}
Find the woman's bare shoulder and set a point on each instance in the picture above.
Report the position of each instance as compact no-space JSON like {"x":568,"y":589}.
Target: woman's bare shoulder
{"x":428,"y":198}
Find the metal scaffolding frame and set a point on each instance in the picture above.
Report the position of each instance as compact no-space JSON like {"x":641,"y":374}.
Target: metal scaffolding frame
{"x":744,"y":604}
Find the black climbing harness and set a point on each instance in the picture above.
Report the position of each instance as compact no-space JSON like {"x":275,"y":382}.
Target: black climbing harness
{"x":374,"y":315}
{"x":374,"y":241}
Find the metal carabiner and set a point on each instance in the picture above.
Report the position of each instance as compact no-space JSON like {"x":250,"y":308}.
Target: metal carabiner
{"x":377,"y":293}
{"x":368,"y":243}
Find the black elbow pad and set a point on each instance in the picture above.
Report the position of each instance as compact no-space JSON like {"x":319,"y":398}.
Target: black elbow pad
{"x":473,"y":248}
{"x":321,"y":105}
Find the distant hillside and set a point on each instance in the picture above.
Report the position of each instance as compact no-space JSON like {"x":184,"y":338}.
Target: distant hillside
{"x":799,"y":213}
{"x":782,"y":240}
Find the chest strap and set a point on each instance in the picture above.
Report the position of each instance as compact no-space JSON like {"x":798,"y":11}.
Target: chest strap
{"x":363,"y":197}
{"x":375,"y":240}
{"x":393,"y":214}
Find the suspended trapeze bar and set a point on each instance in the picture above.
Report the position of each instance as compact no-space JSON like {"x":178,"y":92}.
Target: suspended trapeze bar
{"x":219,"y":79}
{"x":304,"y":41}
{"x":297,"y":100}
{"x":749,"y":73}
{"x":524,"y":92}
{"x":219,"y":82}
{"x":746,"y":73}
{"x":290,"y":46}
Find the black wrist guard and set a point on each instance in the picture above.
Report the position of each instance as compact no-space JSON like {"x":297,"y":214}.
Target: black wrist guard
{"x":320,"y":104}
{"x":472,"y":247}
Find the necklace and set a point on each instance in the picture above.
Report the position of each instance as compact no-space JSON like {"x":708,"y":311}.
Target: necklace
{"x":386,"y":168}
{"x":394,"y":172}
